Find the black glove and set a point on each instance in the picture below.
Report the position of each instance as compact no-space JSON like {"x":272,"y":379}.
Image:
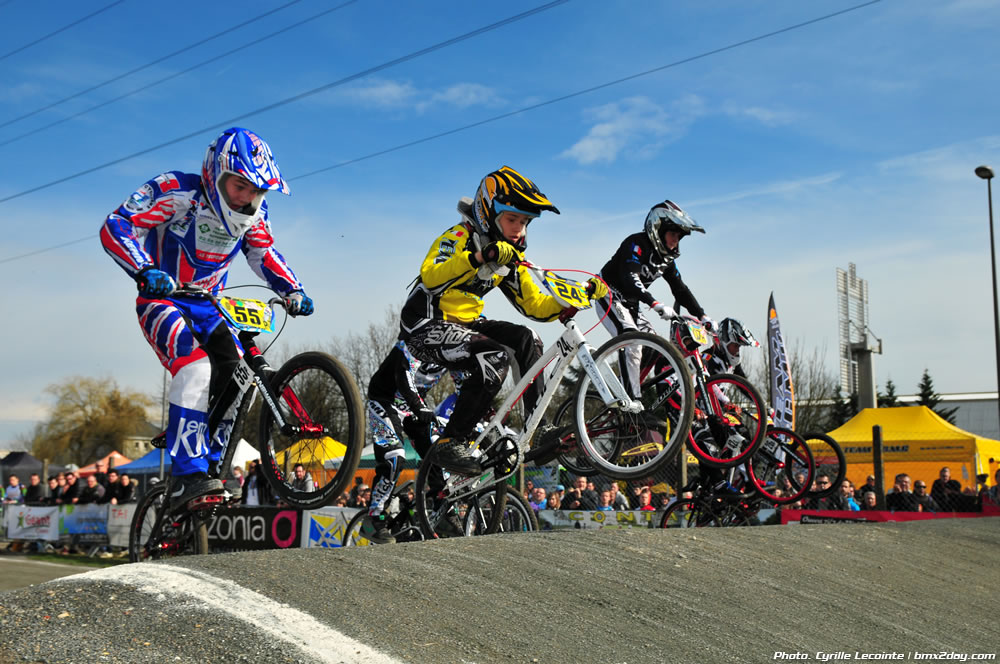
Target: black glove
{"x":423,"y":415}
{"x":500,"y":253}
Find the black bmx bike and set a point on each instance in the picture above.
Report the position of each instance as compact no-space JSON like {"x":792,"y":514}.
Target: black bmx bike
{"x":309,"y":412}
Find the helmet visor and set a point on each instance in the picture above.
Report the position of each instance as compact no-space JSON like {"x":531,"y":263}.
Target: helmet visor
{"x":500,"y":208}
{"x":675,"y":219}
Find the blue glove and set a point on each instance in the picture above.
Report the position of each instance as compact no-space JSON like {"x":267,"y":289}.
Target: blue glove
{"x":154,"y":283}
{"x":297,"y":303}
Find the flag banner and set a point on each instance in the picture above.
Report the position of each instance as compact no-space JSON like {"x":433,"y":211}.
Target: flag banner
{"x":782,"y":392}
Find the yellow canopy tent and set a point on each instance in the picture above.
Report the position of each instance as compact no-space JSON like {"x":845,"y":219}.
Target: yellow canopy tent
{"x":916,"y":441}
{"x":320,"y":456}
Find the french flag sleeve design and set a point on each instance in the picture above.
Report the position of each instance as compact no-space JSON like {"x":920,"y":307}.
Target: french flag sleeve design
{"x":264,"y":259}
{"x":125,"y":229}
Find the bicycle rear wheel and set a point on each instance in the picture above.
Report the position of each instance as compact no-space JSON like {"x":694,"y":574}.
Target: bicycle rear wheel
{"x":444,"y":506}
{"x":781,"y":468}
{"x":631,"y":445}
{"x":727,"y":435}
{"x":830,"y":461}
{"x":153,"y":535}
{"x":321,"y":405}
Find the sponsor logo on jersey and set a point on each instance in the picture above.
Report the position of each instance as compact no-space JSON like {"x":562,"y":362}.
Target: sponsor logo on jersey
{"x":166,"y":182}
{"x":212,"y":242}
{"x":141,"y":200}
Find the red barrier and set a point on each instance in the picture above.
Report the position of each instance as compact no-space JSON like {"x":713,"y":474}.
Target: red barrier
{"x":878,"y":516}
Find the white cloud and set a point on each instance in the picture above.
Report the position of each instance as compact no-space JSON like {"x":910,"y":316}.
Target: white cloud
{"x":381,"y":94}
{"x":20,"y":92}
{"x":393,"y":95}
{"x":950,"y":163}
{"x":641,"y":127}
{"x":635,"y":123}
{"x":781,"y":187}
{"x":462,"y":95}
{"x":766,"y":116}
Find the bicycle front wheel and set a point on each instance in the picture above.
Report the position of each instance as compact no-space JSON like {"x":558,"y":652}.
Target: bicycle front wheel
{"x":352,"y":534}
{"x":324,"y":430}
{"x":781,"y":468}
{"x":517,"y":517}
{"x":154,"y":535}
{"x":681,"y":513}
{"x":732,"y":422}
{"x":830,"y":461}
{"x":626,"y":444}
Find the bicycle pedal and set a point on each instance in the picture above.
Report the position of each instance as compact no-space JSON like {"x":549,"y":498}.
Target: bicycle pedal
{"x":206,"y":502}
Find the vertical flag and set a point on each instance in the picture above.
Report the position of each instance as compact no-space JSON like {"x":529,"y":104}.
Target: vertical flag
{"x":782,"y":393}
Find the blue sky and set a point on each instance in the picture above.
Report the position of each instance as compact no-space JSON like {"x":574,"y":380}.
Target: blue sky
{"x":853,"y":139}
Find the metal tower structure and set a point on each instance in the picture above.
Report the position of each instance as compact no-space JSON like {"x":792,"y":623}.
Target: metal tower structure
{"x":856,"y":372}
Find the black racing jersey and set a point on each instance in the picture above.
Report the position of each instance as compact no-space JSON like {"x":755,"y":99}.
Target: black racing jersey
{"x":715,"y":363}
{"x":636,"y":265}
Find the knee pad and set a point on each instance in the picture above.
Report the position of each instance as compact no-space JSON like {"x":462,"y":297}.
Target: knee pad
{"x":488,"y":361}
{"x":189,"y":387}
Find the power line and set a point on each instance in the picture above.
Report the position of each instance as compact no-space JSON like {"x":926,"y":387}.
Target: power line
{"x":176,"y":74}
{"x":145,"y":66}
{"x":303,"y":95}
{"x":571,"y":95}
{"x":62,"y":29}
{"x":524,"y":109}
{"x":52,"y":248}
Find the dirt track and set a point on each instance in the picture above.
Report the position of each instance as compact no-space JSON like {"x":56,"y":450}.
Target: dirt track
{"x":734,"y":595}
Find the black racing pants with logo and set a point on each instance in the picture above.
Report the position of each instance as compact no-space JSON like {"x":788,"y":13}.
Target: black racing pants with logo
{"x":482,"y":350}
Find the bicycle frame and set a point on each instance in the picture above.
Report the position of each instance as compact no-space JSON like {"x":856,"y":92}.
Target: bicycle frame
{"x":571,"y":345}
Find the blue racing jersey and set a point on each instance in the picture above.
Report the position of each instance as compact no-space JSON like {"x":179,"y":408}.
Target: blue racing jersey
{"x":168,"y":224}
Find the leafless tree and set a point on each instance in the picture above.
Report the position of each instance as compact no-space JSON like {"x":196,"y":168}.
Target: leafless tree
{"x":814,"y":384}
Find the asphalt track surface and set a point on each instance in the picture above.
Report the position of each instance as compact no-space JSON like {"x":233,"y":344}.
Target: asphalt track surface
{"x":18,"y":571}
{"x":619,"y":596}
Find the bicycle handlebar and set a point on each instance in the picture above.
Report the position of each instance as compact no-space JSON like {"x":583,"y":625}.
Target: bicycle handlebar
{"x":200,"y":291}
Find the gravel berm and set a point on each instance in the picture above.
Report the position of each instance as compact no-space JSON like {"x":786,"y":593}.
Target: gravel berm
{"x":628,"y":596}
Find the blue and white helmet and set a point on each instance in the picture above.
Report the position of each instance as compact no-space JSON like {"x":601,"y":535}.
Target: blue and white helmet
{"x":241,"y":152}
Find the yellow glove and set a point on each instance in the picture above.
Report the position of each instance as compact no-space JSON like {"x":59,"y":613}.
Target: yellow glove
{"x":596,"y":289}
{"x":500,"y":253}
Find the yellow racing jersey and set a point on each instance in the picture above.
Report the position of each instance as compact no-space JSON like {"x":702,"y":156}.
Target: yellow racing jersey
{"x":451,"y":288}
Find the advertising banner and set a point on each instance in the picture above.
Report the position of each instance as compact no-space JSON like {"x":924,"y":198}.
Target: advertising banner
{"x":83,"y":520}
{"x":250,"y":528}
{"x":119,"y":522}
{"x":325,"y":527}
{"x":565,"y":519}
{"x":25,"y":522}
{"x":782,"y":392}
{"x":806,"y":517}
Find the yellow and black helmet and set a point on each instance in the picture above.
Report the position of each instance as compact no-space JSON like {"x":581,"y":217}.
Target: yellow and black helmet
{"x":506,"y":189}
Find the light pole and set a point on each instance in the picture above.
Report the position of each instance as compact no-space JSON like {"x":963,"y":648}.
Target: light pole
{"x":986,"y":173}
